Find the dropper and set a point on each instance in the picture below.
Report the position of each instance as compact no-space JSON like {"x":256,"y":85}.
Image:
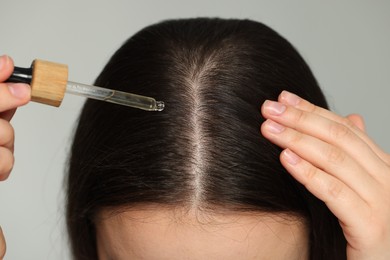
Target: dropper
{"x":49,"y":82}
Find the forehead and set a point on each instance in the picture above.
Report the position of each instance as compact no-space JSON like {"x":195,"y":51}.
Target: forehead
{"x":174,"y":234}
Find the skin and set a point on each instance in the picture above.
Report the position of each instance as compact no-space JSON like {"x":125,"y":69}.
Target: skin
{"x":174,"y":234}
{"x":330,"y":155}
{"x":337,"y":162}
{"x":11,"y":97}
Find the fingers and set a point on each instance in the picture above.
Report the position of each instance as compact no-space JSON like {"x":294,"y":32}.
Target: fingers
{"x":339,"y":164}
{"x":6,"y":149}
{"x":322,"y":155}
{"x":12,"y":95}
{"x":347,"y":145}
{"x":291,"y":99}
{"x":2,"y":244}
{"x":6,"y":67}
{"x":340,"y":199}
{"x":6,"y":163}
{"x":6,"y":135}
{"x":365,"y":225}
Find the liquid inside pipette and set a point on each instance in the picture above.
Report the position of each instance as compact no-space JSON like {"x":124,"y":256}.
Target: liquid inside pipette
{"x":114,"y":96}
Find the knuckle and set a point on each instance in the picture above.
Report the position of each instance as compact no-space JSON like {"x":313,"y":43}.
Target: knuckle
{"x":335,"y":155}
{"x":335,"y":190}
{"x":299,"y":117}
{"x":310,"y":173}
{"x":295,"y":139}
{"x":10,"y":132}
{"x":348,"y":123}
{"x":312,"y":108}
{"x":7,"y":132}
{"x":6,"y":163}
{"x":10,"y":164}
{"x":339,"y":131}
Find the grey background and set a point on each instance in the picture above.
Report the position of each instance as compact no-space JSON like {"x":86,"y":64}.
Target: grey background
{"x":346,"y":43}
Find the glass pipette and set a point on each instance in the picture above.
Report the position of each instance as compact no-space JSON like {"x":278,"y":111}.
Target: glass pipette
{"x":49,"y":82}
{"x":114,"y":96}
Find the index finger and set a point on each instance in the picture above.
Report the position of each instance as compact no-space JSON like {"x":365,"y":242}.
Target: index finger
{"x":293,"y":100}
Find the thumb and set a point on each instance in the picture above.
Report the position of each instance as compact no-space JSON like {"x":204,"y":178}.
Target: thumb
{"x":2,"y":245}
{"x":13,"y":95}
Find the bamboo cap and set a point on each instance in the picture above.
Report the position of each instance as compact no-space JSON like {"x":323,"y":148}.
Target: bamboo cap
{"x":48,"y":83}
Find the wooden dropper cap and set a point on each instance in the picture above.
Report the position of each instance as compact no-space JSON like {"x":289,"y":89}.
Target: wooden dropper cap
{"x":48,"y":83}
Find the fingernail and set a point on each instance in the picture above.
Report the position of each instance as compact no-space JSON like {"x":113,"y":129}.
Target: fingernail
{"x":274,"y":127}
{"x":3,"y":61}
{"x":290,"y":98}
{"x":291,"y":157}
{"x":20,"y":91}
{"x":274,"y":108}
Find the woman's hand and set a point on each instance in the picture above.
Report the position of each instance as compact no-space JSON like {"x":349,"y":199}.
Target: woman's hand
{"x":12,"y":95}
{"x":338,"y":163}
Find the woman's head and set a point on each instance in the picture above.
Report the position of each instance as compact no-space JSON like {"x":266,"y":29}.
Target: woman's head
{"x":204,"y":153}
